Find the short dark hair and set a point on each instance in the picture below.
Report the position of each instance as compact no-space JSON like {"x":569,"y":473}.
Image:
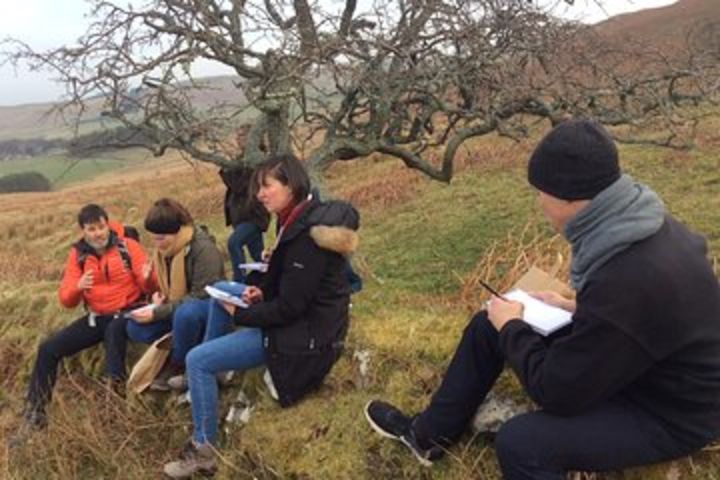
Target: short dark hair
{"x":91,"y":213}
{"x":286,"y":169}
{"x":166,"y":216}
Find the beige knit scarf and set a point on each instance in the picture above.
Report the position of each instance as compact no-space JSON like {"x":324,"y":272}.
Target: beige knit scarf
{"x":173,"y":284}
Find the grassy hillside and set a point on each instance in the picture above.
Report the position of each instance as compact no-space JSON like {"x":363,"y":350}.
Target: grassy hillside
{"x":63,"y":170}
{"x":423,"y":246}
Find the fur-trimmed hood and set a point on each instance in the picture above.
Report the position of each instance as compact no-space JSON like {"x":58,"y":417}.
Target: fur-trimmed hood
{"x":338,"y":239}
{"x":332,"y":225}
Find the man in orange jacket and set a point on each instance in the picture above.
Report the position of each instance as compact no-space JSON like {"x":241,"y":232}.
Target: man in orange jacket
{"x":109,"y":274}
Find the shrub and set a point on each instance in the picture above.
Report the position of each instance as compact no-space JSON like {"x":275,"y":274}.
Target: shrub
{"x":24,"y":182}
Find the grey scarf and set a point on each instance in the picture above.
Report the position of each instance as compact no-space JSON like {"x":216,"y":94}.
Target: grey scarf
{"x":622,"y":214}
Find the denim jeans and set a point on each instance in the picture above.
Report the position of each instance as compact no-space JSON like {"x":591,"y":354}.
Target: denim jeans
{"x":244,"y":234}
{"x":188,"y":324}
{"x":147,"y":332}
{"x":219,"y":352}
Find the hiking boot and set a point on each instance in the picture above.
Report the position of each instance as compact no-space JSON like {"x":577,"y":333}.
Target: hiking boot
{"x":34,"y":420}
{"x":169,"y":370}
{"x":193,"y":459}
{"x":180,"y":382}
{"x":390,"y":422}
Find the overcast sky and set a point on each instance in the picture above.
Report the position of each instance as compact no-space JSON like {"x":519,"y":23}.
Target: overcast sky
{"x":47,"y":23}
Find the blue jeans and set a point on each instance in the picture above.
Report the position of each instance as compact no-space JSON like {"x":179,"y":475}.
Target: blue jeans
{"x":147,"y":332}
{"x":244,"y":234}
{"x":187,"y":325}
{"x":240,"y":350}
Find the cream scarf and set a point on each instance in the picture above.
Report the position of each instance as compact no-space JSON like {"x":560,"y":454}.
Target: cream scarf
{"x":173,"y":284}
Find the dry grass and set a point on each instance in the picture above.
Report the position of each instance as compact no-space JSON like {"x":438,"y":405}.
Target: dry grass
{"x":424,"y":246}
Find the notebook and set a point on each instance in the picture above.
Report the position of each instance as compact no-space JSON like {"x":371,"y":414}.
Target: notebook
{"x":225,"y":296}
{"x":542,"y":317}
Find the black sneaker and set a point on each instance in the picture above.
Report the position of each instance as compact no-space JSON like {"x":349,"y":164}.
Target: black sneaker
{"x":390,"y":422}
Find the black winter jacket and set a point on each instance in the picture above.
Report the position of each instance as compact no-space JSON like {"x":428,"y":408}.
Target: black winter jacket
{"x":304,"y":315}
{"x":646,"y":331}
{"x":238,"y":206}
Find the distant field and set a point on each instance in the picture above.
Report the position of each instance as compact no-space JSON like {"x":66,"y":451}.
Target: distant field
{"x":62,"y":170}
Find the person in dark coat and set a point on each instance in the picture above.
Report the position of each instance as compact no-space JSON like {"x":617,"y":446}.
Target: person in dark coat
{"x":297,"y":318}
{"x":246,"y":215}
{"x":635,"y":379}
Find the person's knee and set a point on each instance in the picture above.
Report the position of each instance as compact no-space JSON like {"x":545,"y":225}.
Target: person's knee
{"x":195,"y":360}
{"x":48,"y":349}
{"x":116,"y":328}
{"x":188,"y":317}
{"x":480,"y":325}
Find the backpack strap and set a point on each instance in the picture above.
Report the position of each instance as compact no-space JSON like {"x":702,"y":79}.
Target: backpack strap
{"x":124,"y":254}
{"x":82,"y":254}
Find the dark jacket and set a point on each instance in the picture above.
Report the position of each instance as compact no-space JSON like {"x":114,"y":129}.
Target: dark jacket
{"x":203,"y":266}
{"x":646,"y":331}
{"x":238,"y":205}
{"x":304,"y":315}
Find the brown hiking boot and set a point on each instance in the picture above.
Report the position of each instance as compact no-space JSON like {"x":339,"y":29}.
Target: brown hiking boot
{"x":194,"y":459}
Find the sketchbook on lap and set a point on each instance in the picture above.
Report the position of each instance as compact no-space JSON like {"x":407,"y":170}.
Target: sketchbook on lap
{"x":224,"y":296}
{"x":542,"y":317}
{"x":254,"y":267}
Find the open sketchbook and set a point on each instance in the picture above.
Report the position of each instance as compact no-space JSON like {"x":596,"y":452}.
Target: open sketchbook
{"x":542,"y":317}
{"x":225,"y":296}
{"x":254,"y":267}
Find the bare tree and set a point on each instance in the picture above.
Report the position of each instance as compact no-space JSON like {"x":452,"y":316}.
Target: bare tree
{"x":413,"y":79}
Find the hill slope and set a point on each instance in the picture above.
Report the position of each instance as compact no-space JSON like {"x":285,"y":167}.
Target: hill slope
{"x":665,"y":26}
{"x":423,"y":244}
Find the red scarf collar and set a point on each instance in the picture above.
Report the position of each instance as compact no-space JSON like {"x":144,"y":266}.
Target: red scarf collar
{"x":290,"y":213}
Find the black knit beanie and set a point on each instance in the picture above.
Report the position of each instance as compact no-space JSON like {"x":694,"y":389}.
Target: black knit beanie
{"x":576,"y":160}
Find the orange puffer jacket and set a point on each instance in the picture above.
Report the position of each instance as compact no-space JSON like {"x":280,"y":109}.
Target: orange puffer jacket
{"x":114,"y":287}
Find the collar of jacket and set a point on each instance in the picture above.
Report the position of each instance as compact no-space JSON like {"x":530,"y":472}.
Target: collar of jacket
{"x":332,"y":226}
{"x":84,"y":248}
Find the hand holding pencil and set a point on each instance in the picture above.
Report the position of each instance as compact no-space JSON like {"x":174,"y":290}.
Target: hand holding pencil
{"x":500,"y":309}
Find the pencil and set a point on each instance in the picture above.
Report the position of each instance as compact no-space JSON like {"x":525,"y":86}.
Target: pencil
{"x":492,"y":290}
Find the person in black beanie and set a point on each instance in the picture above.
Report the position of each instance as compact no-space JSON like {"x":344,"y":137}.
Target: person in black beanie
{"x":635,"y":378}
